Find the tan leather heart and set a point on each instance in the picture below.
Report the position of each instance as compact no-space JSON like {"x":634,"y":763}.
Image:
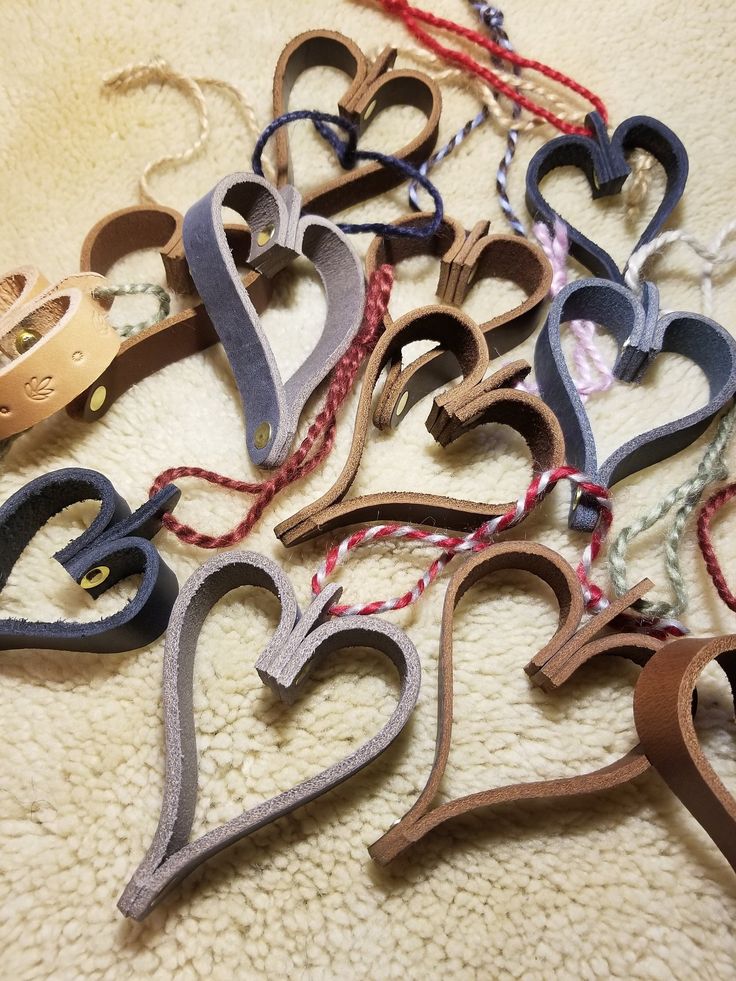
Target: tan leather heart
{"x":374,"y":86}
{"x":557,"y":661}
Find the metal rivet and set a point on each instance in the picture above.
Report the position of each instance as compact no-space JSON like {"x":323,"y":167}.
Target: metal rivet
{"x":98,"y":398}
{"x":262,"y":435}
{"x":4,"y":410}
{"x":577,"y":496}
{"x":265,"y":235}
{"x":369,"y":111}
{"x":402,"y":404}
{"x":25,"y":340}
{"x":95,"y":577}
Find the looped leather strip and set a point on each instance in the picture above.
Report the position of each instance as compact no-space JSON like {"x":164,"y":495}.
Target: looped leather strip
{"x":465,"y":259}
{"x":54,"y":341}
{"x":552,"y":569}
{"x":115,"y":546}
{"x":279,"y":234}
{"x":176,"y":337}
{"x":472,"y":402}
{"x":663,"y":714}
{"x":603,"y":161}
{"x":373,"y":87}
{"x":641,"y":333}
{"x":299,"y":642}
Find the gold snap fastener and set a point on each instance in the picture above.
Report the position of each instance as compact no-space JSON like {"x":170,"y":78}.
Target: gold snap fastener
{"x":369,"y":111}
{"x":402,"y":404}
{"x":95,"y":577}
{"x":98,"y":398}
{"x":25,"y":340}
{"x":262,"y":435}
{"x":265,"y":235}
{"x":4,"y":410}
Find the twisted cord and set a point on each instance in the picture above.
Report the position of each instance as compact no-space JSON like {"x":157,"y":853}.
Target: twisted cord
{"x":711,"y":506}
{"x":135,"y":289}
{"x":636,"y":187}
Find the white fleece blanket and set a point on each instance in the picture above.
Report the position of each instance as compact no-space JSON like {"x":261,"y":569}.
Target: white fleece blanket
{"x":625,"y":884}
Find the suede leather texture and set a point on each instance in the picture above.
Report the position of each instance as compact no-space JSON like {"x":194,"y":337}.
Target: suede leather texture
{"x":627,"y":885}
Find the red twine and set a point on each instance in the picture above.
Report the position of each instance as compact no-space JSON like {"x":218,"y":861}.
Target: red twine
{"x":708,"y":511}
{"x":321,"y":433}
{"x":411,"y":17}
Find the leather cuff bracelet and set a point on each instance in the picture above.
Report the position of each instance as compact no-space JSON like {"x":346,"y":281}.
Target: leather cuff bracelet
{"x":299,"y":642}
{"x":279,"y":235}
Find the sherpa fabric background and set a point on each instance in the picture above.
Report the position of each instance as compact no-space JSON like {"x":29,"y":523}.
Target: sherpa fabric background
{"x":624,"y":884}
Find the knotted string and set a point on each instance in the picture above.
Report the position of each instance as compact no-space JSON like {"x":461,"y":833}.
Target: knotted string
{"x":315,"y":446}
{"x":348,"y":155}
{"x":413,"y":16}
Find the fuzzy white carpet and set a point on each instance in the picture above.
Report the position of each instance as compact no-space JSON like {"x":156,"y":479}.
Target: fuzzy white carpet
{"x":623,"y":885}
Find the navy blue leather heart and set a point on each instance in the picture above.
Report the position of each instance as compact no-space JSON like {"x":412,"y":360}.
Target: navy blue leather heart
{"x":641,"y":334}
{"x":603,"y":161}
{"x":116,"y":545}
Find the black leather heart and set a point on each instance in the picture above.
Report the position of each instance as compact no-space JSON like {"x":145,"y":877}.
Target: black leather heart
{"x":116,"y":545}
{"x":603,"y":161}
{"x":641,"y":334}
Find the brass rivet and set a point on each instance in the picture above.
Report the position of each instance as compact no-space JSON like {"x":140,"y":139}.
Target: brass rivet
{"x":369,"y":111}
{"x":265,"y":235}
{"x":402,"y":404}
{"x":95,"y":577}
{"x":262,"y":435}
{"x":98,"y":398}
{"x":577,"y":496}
{"x":25,"y":340}
{"x":4,"y":410}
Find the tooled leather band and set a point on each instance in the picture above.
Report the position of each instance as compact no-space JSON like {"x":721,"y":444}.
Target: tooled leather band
{"x":175,"y":337}
{"x":374,"y":86}
{"x":663,"y":714}
{"x":472,"y":402}
{"x":603,"y":161}
{"x":116,"y":545}
{"x":465,"y":258}
{"x":279,"y":234}
{"x":554,"y":668}
{"x":641,"y":334}
{"x":298,"y":643}
{"x":56,"y":342}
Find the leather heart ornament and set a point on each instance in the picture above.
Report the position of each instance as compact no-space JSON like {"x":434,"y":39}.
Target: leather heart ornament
{"x":278,"y":235}
{"x":471,"y":403}
{"x":641,"y":334}
{"x":173,"y":338}
{"x":116,"y":545}
{"x":298,"y":643}
{"x":374,"y":86}
{"x":603,"y":161}
{"x":662,"y":711}
{"x":465,"y":258}
{"x":554,"y":664}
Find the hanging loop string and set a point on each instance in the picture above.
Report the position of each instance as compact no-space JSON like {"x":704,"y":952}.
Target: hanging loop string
{"x":349,"y":155}
{"x":710,"y":508}
{"x":136,"y":289}
{"x":315,"y":446}
{"x":412,"y":16}
{"x":159,"y":71}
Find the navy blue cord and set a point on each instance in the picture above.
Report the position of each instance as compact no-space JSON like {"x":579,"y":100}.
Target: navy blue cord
{"x":348,"y":155}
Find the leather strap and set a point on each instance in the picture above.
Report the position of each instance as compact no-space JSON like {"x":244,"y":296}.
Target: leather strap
{"x":299,"y":642}
{"x":465,"y":259}
{"x":374,"y":86}
{"x":550,"y":668}
{"x":641,"y":334}
{"x":472,"y":402}
{"x":279,"y":235}
{"x":18,"y":286}
{"x":663,"y":702}
{"x":603,"y":160}
{"x":116,"y":545}
{"x":176,"y":337}
{"x":54,"y":342}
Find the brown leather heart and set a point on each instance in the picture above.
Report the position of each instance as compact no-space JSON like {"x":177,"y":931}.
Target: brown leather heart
{"x":663,"y":701}
{"x":374,"y":86}
{"x":465,"y":258}
{"x":176,"y":337}
{"x":469,"y":404}
{"x":557,"y":661}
